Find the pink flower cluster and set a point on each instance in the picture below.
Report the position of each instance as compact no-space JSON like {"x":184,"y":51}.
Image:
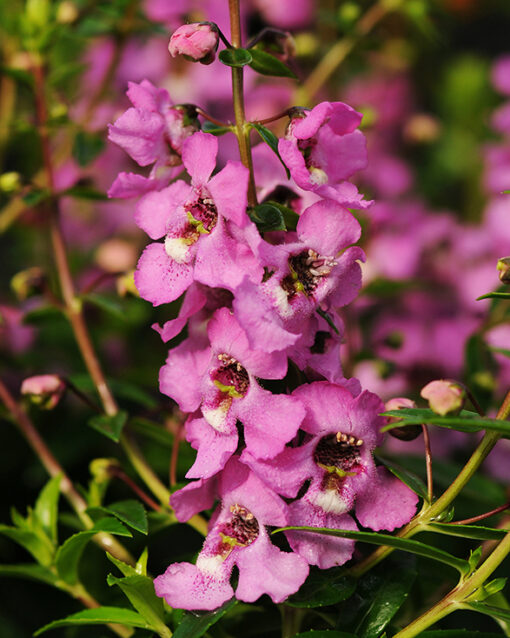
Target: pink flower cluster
{"x":282,"y":438}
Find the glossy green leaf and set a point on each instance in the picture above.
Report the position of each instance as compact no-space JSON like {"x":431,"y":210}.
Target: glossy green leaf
{"x":235,"y":57}
{"x":467,"y":531}
{"x":495,"y":295}
{"x":69,"y":554}
{"x":267,"y":64}
{"x":110,"y":426}
{"x":130,"y":512}
{"x":46,"y":507}
{"x":30,"y":571}
{"x":98,"y":616}
{"x":214,"y":129}
{"x":127,"y":570}
{"x":489,"y":610}
{"x":87,"y":147}
{"x":105,"y":303}
{"x":290,"y":217}
{"x":413,"y":481}
{"x":267,"y":218}
{"x":464,"y":422}
{"x":38,"y":545}
{"x":323,"y":587}
{"x":194,"y":625}
{"x":272,"y":141}
{"x":404,"y":544}
{"x":140,"y":592}
{"x":387,"y":595}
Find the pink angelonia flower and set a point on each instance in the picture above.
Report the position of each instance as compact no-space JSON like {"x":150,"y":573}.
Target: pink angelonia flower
{"x":197,"y":42}
{"x":322,"y":148}
{"x":238,"y":537}
{"x":318,"y":270}
{"x":500,"y":75}
{"x":221,"y":381}
{"x":338,"y":461}
{"x":206,"y":228}
{"x":151,"y":132}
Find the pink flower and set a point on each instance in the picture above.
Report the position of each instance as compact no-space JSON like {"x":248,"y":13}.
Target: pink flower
{"x":205,"y":227}
{"x":322,"y":148}
{"x":500,"y":75}
{"x":237,"y":537}
{"x":344,"y":430}
{"x":221,"y":381}
{"x":45,"y":390}
{"x":444,"y":397}
{"x":197,"y":42}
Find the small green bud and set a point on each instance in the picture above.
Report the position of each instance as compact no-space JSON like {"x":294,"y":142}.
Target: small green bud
{"x":28,"y":283}
{"x":100,"y":469}
{"x":348,"y":13}
{"x":10,"y":182}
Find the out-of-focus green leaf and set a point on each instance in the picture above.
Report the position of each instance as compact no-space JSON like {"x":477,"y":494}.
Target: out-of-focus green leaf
{"x":85,"y":192}
{"x":325,"y":633}
{"x":110,"y":426}
{"x":108,"y":304}
{"x":457,"y":633}
{"x":46,"y":507}
{"x":375,"y":538}
{"x":323,"y":587}
{"x":195,"y":625}
{"x":98,"y":616}
{"x":235,"y":57}
{"x":267,"y":64}
{"x":30,"y":571}
{"x":87,"y":147}
{"x":152,"y":430}
{"x":37,"y":544}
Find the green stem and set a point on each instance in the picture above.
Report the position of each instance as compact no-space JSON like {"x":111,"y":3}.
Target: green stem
{"x":291,"y":620}
{"x":81,"y":594}
{"x":242,"y":130}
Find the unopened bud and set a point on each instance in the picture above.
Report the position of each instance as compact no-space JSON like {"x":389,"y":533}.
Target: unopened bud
{"x":45,"y":390}
{"x":408,"y":432}
{"x":307,"y":44}
{"x":197,"y":42}
{"x":67,"y":12}
{"x":348,"y":13}
{"x":503,"y":267}
{"x":10,"y":182}
{"x":115,"y":256}
{"x":422,"y":129}
{"x":276,"y":42}
{"x":444,"y":397}
{"x":126,"y":285}
{"x":28,"y":282}
{"x":101,"y":469}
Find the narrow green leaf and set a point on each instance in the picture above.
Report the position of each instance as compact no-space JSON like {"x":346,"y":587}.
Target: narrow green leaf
{"x":495,"y":295}
{"x":36,"y":196}
{"x":85,"y":192}
{"x":127,"y":570}
{"x":69,"y":554}
{"x":412,"y":480}
{"x":272,"y":141}
{"x":328,"y":319}
{"x":140,"y":592}
{"x":98,"y":616}
{"x":468,"y":531}
{"x":105,"y":303}
{"x":267,"y":218}
{"x":325,"y":633}
{"x":39,"y":546}
{"x":87,"y":147}
{"x":457,"y":633}
{"x":386,"y":598}
{"x":110,"y":426}
{"x":195,"y":625}
{"x":267,"y":64}
{"x":46,"y":507}
{"x":404,"y":544}
{"x":489,"y":610}
{"x":323,"y":587}
{"x":141,"y":563}
{"x":503,"y":351}
{"x":30,"y":571}
{"x":130,"y":512}
{"x":152,"y":430}
{"x":466,"y":421}
{"x":213,"y":129}
{"x":235,"y":57}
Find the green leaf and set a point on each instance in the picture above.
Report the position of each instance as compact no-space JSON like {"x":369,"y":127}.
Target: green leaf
{"x":323,"y":587}
{"x":110,"y":426}
{"x":69,"y":554}
{"x":489,"y":610}
{"x":214,"y":129}
{"x":130,"y":512}
{"x":46,"y":507}
{"x":495,"y":295}
{"x":457,"y":633}
{"x":464,"y":422}
{"x":328,"y":319}
{"x":140,"y":592}
{"x":24,"y":77}
{"x":195,"y":625}
{"x":325,"y":633}
{"x":386,"y":598}
{"x":468,"y":531}
{"x":85,"y":192}
{"x":235,"y":57}
{"x":98,"y":616}
{"x":123,"y":389}
{"x":267,"y":218}
{"x":30,"y":571}
{"x":412,"y":480}
{"x":153,"y":430}
{"x":36,"y":196}
{"x":107,"y":304}
{"x":87,"y":147}
{"x":503,"y":351}
{"x":39,"y":546}
{"x":267,"y":64}
{"x":127,"y":570}
{"x":42,"y":314}
{"x":272,"y":141}
{"x":404,"y":544}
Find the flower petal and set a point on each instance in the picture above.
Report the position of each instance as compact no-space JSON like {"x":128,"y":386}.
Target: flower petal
{"x":160,"y":279}
{"x":199,"y":156}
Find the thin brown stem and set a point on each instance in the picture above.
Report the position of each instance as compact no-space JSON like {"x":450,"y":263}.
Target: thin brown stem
{"x":101,"y":278}
{"x":428,"y":463}
{"x":119,"y":473}
{"x":175,"y":454}
{"x":273,"y":118}
{"x":81,"y":395}
{"x":481,"y":517}
{"x":53,"y":467}
{"x":212,"y":119}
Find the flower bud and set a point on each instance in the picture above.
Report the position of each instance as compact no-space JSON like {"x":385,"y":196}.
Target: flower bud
{"x":44,"y":390}
{"x":27,"y":283}
{"x":503,"y":267}
{"x":197,"y":42}
{"x":10,"y":182}
{"x":444,"y":397}
{"x":408,"y":432}
{"x":115,"y":256}
{"x":126,"y":285}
